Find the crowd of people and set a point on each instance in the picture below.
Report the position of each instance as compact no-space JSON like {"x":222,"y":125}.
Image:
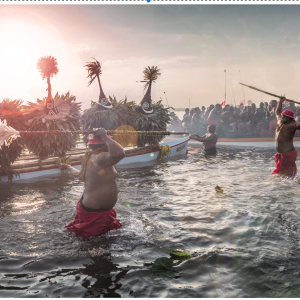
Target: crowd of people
{"x":233,"y":121}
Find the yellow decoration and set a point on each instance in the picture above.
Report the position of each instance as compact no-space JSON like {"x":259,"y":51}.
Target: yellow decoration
{"x":63,"y":160}
{"x":165,"y":150}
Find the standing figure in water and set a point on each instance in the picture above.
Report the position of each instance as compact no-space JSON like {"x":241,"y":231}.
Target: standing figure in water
{"x":95,"y":214}
{"x":210,"y":139}
{"x":286,"y":153}
{"x":187,"y":121}
{"x":175,"y":123}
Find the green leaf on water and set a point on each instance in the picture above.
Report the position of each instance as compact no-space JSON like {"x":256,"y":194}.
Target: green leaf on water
{"x":179,"y":254}
{"x":163,"y":267}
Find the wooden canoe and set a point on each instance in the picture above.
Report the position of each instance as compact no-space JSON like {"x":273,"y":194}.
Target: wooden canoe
{"x":28,"y":166}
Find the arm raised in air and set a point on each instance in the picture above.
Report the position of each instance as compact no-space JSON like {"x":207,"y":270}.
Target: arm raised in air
{"x":115,"y":150}
{"x":279,"y":108}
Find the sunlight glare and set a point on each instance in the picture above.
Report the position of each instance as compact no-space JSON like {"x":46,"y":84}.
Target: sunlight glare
{"x":14,"y":61}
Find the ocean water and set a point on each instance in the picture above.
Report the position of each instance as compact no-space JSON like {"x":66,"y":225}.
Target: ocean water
{"x":243,"y":242}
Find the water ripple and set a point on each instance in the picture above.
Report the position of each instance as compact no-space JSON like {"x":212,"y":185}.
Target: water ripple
{"x":244,"y":241}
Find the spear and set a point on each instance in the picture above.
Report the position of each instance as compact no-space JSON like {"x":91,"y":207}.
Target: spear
{"x":254,"y":88}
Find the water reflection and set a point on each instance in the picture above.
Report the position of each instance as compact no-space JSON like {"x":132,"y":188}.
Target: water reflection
{"x":244,"y":241}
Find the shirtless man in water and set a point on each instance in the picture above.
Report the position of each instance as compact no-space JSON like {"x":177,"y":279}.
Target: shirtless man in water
{"x":287,"y":154}
{"x":210,"y":139}
{"x":94,"y":211}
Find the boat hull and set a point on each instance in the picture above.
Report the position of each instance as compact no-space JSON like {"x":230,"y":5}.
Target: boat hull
{"x":178,"y":147}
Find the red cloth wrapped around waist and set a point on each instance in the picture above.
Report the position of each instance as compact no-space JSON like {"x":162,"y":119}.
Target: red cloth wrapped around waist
{"x":286,"y":163}
{"x":211,"y":122}
{"x":91,"y":223}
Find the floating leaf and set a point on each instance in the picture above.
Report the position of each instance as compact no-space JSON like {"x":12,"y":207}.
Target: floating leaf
{"x":163,"y":267}
{"x":218,"y":189}
{"x":179,"y":254}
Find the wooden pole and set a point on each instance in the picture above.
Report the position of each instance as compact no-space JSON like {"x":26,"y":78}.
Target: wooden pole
{"x":225,"y":86}
{"x":233,"y":94}
{"x":273,"y":95}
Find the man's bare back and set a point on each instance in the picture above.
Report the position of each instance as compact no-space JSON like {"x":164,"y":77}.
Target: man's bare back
{"x":101,"y":190}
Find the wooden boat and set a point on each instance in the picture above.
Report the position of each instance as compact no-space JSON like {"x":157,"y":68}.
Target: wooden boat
{"x":28,"y":166}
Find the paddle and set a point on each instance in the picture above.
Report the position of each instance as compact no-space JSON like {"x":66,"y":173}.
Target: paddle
{"x":254,"y":88}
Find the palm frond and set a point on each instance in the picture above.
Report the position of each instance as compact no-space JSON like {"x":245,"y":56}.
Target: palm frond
{"x":92,"y":80}
{"x":94,"y":70}
{"x":10,"y":110}
{"x":47,"y":66}
{"x":157,"y":121}
{"x":151,"y":73}
{"x":56,"y":145}
{"x":124,"y":114}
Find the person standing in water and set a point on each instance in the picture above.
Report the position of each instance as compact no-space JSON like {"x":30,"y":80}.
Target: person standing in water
{"x":187,"y":121}
{"x":95,"y":214}
{"x":210,"y":139}
{"x":214,"y":116}
{"x":196,"y":120}
{"x":187,"y":112}
{"x":286,"y":153}
{"x":175,"y":123}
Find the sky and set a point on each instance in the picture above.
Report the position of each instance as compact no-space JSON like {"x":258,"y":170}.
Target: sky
{"x":192,"y":45}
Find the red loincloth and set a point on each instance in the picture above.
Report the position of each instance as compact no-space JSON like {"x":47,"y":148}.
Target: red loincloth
{"x":286,"y":163}
{"x":91,"y":223}
{"x":211,"y":122}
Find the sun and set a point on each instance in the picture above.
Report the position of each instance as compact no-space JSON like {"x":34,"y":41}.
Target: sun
{"x":27,"y":38}
{"x":14,"y":61}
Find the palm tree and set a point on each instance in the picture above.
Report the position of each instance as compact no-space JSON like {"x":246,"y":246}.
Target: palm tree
{"x":47,"y":67}
{"x":94,"y":70}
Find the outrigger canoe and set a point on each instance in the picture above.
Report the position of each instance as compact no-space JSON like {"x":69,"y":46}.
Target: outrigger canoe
{"x":28,"y":166}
